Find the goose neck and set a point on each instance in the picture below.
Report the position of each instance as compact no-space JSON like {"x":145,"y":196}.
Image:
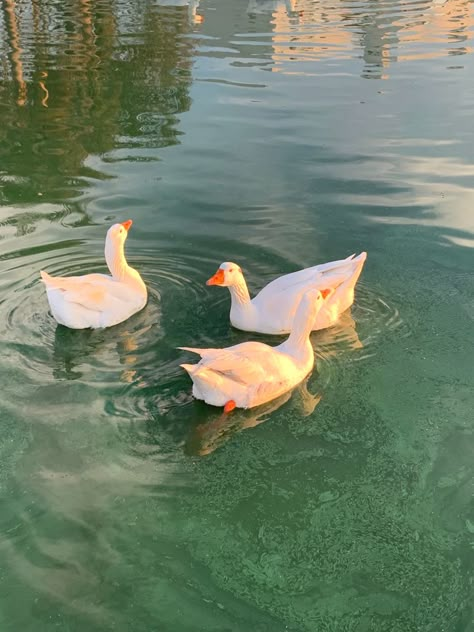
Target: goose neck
{"x":239,"y":294}
{"x":116,"y":262}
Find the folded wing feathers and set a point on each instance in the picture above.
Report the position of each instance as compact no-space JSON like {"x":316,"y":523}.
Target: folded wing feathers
{"x":90,"y":297}
{"x":230,"y":364}
{"x":190,"y":368}
{"x":199,"y":352}
{"x":49,"y":280}
{"x":68,"y":283}
{"x":76,"y":290}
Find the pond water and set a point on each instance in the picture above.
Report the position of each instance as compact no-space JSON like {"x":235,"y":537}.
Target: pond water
{"x":278,"y":135}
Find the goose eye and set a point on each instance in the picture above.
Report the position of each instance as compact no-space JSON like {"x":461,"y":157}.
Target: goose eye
{"x":231,"y":269}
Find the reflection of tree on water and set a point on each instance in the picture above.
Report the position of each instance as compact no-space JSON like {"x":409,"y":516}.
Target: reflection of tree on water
{"x":386,"y":28}
{"x":73,"y":83}
{"x":381,"y":28}
{"x":378,"y":39}
{"x":158,"y":80}
{"x":11,"y":25}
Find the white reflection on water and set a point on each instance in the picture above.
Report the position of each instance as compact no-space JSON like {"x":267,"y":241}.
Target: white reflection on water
{"x":441,"y":184}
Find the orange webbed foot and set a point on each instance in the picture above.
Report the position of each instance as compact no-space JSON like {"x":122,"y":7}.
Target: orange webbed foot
{"x":229,"y":406}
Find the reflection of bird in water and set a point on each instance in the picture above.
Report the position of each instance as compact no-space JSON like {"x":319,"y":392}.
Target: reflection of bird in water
{"x":191,"y":4}
{"x":271,"y":6}
{"x":340,"y":337}
{"x":207,"y":437}
{"x":74,"y":349}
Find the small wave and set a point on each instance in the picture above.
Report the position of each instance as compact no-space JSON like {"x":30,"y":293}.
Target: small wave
{"x":358,"y":333}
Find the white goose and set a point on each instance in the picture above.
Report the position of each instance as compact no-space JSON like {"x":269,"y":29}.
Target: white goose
{"x":252,"y":373}
{"x":99,"y":300}
{"x":273,"y":309}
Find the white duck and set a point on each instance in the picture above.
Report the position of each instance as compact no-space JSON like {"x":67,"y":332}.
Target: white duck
{"x":253,"y":373}
{"x":273,"y":309}
{"x":99,"y":300}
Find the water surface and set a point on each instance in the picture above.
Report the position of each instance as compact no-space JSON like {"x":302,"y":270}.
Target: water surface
{"x":278,"y":135}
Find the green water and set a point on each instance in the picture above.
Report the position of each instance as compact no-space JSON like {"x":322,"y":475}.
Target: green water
{"x":277,"y":137}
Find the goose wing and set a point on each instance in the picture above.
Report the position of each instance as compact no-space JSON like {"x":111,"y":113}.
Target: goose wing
{"x":96,"y":292}
{"x":248,"y":363}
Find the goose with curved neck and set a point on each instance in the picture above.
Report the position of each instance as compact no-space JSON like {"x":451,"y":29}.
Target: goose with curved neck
{"x":252,"y":373}
{"x":115,"y":258}
{"x":99,"y":300}
{"x":242,"y":310}
{"x":273,"y":309}
{"x":114,"y":252}
{"x":298,"y":343}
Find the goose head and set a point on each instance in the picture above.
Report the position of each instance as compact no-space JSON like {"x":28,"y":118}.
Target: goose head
{"x":308,"y":308}
{"x":118,"y":233}
{"x":114,"y":248}
{"x":227,"y":275}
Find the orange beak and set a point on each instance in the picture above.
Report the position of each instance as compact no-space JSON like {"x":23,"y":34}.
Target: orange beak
{"x":127,"y":224}
{"x":325,"y":293}
{"x":217,"y":279}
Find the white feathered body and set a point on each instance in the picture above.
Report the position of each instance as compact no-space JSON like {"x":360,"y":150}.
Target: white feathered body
{"x":250,"y":373}
{"x":91,"y":301}
{"x":253,"y":373}
{"x":272,"y":310}
{"x":98,"y":300}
